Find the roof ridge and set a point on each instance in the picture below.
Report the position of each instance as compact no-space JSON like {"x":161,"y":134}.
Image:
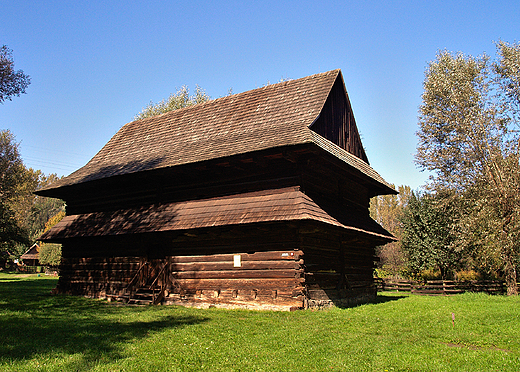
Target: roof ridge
{"x":214,"y":100}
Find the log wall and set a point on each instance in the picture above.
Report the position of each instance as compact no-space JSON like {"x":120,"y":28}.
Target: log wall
{"x":96,"y":276}
{"x":339,"y":270}
{"x":282,"y":267}
{"x":261,"y":280}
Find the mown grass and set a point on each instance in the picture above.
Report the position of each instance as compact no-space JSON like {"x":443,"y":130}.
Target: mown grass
{"x":40,"y":332}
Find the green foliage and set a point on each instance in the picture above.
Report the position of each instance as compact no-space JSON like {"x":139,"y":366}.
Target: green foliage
{"x":428,"y":274}
{"x":15,"y":184}
{"x":10,"y":232}
{"x":508,"y":78}
{"x":12,"y":170}
{"x":469,"y":140}
{"x":386,"y":210}
{"x":176,"y":101}
{"x":54,"y":220}
{"x":12,"y":83}
{"x":22,"y":214}
{"x":468,"y":275}
{"x":457,"y":122}
{"x":42,"y":209}
{"x":399,"y":333}
{"x":50,"y":254}
{"x":428,"y":234}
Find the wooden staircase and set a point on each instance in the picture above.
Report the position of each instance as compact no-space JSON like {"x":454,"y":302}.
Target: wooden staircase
{"x":148,"y":287}
{"x":146,"y":296}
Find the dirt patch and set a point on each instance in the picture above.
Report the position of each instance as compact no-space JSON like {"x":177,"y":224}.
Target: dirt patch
{"x":11,"y":276}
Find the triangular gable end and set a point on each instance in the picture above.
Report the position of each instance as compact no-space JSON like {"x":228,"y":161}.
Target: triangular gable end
{"x":32,"y":253}
{"x":336,"y":121}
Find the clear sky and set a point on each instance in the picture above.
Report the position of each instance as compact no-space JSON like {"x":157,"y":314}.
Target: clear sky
{"x":95,"y":64}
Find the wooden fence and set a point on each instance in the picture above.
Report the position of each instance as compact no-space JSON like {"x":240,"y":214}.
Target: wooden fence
{"x":440,"y":287}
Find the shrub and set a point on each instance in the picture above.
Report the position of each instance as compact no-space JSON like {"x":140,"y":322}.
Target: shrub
{"x":50,"y":254}
{"x":429,"y":274}
{"x":467,"y":275}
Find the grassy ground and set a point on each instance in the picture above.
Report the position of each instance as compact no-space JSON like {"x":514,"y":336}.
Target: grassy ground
{"x":40,"y":332}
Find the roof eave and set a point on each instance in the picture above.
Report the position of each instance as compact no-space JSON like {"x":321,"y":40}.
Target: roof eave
{"x":384,"y":188}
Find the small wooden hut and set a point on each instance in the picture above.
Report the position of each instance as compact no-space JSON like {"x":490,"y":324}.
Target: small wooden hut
{"x":258,"y":199}
{"x":32,"y":256}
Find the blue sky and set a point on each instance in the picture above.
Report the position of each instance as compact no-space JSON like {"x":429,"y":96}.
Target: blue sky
{"x":95,"y":64}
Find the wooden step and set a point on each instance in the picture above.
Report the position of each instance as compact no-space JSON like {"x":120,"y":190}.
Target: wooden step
{"x":142,"y":296}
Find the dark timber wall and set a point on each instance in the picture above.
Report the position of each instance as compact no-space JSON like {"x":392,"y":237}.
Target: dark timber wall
{"x":284,"y":265}
{"x":268,"y":266}
{"x":336,"y":122}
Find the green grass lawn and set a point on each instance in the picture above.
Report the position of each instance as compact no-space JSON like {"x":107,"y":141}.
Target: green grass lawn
{"x":40,"y":332}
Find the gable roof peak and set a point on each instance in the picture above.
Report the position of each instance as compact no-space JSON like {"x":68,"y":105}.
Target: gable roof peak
{"x":238,"y":97}
{"x":272,"y":116}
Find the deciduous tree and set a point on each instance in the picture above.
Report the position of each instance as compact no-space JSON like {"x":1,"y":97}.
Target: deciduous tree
{"x":428,"y":234}
{"x":42,"y":209}
{"x":12,"y":83}
{"x":14,"y":180}
{"x":176,"y":101}
{"x":387,"y":210}
{"x":22,"y":214}
{"x":468,"y":140}
{"x":50,"y":253}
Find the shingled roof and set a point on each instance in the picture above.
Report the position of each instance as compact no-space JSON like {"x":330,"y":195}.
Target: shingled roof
{"x":272,"y":116}
{"x":32,"y":253}
{"x":288,"y":204}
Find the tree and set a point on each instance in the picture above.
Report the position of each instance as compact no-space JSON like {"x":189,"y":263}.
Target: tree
{"x":12,"y":169}
{"x":387,"y":210}
{"x":428,"y":234}
{"x":176,"y":101}
{"x":42,"y":209}
{"x":468,"y":139}
{"x":508,"y":78}
{"x":22,"y":214}
{"x":15,"y":181}
{"x":50,"y":253}
{"x":11,"y":234}
{"x":12,"y":83}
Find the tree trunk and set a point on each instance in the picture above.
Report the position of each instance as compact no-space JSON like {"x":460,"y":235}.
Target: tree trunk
{"x":443,"y":272}
{"x":510,"y":271}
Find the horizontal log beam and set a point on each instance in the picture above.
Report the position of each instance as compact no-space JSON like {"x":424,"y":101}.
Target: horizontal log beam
{"x":293,"y":255}
{"x":237,"y":274}
{"x":229,"y":265}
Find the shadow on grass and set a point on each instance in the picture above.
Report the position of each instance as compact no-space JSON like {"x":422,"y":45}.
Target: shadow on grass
{"x":35,"y":324}
{"x":346,"y":300}
{"x":381,"y":299}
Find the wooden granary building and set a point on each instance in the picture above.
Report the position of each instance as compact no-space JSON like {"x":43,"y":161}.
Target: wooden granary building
{"x":32,"y":256}
{"x":257,"y":200}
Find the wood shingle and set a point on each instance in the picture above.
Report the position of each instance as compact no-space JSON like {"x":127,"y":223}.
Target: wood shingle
{"x":287,"y":204}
